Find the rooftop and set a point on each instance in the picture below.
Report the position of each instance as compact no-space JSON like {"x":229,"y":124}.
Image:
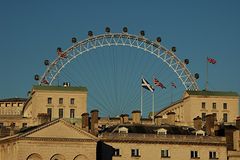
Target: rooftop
{"x":212,"y":93}
{"x":151,"y":129}
{"x":59,"y":88}
{"x":166,"y":139}
{"x":13,"y":100}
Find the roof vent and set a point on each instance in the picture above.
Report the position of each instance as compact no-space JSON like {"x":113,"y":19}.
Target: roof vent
{"x":66,"y":84}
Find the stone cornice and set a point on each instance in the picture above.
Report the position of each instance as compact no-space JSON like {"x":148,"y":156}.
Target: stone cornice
{"x":163,"y":139}
{"x":57,"y":139}
{"x":161,"y":142}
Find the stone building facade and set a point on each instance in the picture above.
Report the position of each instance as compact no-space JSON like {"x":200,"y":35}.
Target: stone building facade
{"x":224,"y":106}
{"x":54,"y":125}
{"x":56,"y":140}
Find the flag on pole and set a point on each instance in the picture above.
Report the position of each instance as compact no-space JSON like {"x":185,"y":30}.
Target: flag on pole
{"x":173,"y":85}
{"x":211,"y":60}
{"x":157,"y":83}
{"x":146,"y":85}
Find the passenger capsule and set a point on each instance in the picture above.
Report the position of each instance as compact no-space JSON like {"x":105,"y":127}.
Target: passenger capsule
{"x":125,"y":29}
{"x":74,"y":40}
{"x":142,"y":33}
{"x":174,"y":49}
{"x":46,"y":62}
{"x":159,"y":39}
{"x":107,"y":29}
{"x":90,"y":33}
{"x":186,"y":61}
{"x":196,"y":75}
{"x":36,"y":77}
{"x":59,"y":49}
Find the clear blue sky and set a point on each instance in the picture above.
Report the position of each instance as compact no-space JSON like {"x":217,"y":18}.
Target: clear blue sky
{"x":30,"y":32}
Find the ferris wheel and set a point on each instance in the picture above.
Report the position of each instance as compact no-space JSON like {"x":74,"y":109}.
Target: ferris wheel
{"x":142,"y":46}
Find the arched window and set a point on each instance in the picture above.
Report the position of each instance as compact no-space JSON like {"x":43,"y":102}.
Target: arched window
{"x":80,"y":157}
{"x":34,"y":156}
{"x":57,"y":157}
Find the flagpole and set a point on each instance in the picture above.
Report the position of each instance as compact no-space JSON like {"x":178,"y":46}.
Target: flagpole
{"x":141,"y":98}
{"x":153,"y":107}
{"x":206,"y":85}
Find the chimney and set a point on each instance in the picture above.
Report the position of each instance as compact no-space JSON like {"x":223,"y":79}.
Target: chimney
{"x":121,"y":119}
{"x":136,"y":117}
{"x":197,"y":123}
{"x":124,"y":118}
{"x":12,"y":129}
{"x":94,"y":122}
{"x":171,"y":118}
{"x":85,"y":120}
{"x":158,"y":120}
{"x":210,"y":118}
{"x":43,"y":118}
{"x":238,"y":123}
{"x":236,"y":140}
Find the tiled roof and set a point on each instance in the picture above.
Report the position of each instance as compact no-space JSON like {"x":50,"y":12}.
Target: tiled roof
{"x":59,"y":88}
{"x":212,"y":93}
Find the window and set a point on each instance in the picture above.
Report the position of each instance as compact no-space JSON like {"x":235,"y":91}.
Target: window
{"x":72,"y":113}
{"x":60,"y":100}
{"x":72,"y":101}
{"x":212,"y":155}
{"x":60,"y":113}
{"x":135,"y":153}
{"x":13,"y":124}
{"x":116,"y":152}
{"x":24,"y":125}
{"x":224,"y":105}
{"x":49,"y":101}
{"x":214,"y":106}
{"x":194,"y":154}
{"x":214,"y":115}
{"x":225,"y":117}
{"x":203,"y":116}
{"x":203,"y":105}
{"x":49,"y":112}
{"x":164,"y":153}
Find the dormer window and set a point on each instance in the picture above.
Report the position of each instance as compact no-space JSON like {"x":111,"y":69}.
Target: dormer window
{"x":123,"y":130}
{"x":200,"y":133}
{"x":162,"y":131}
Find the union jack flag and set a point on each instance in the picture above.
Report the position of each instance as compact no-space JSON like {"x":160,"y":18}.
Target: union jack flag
{"x":157,"y":83}
{"x":211,"y":60}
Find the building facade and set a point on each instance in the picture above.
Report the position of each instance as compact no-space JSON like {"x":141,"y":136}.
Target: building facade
{"x":54,"y":125}
{"x":56,"y":140}
{"x":224,"y":106}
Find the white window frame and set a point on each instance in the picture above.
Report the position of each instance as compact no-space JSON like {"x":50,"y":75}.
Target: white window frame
{"x":135,"y":152}
{"x":116,"y":152}
{"x":213,"y":155}
{"x":165,"y":153}
{"x":195,"y":154}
